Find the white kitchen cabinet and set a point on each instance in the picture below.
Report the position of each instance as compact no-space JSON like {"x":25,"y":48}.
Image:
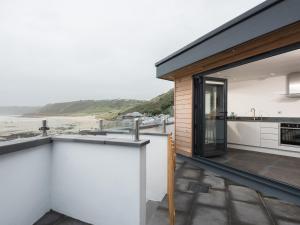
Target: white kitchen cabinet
{"x":267,"y":130}
{"x":253,"y":133}
{"x":243,"y":133}
{"x":269,"y":135}
{"x":269,"y":125}
{"x":258,"y":136}
{"x":269,"y":143}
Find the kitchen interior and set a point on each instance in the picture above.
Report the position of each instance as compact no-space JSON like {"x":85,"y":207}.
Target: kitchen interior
{"x":263,"y":117}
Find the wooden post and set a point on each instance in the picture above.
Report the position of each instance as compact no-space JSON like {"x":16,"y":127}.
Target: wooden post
{"x":171,"y":171}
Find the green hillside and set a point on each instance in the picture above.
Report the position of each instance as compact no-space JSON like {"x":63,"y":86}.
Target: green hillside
{"x":106,"y":109}
{"x":158,"y":105}
{"x":110,"y":109}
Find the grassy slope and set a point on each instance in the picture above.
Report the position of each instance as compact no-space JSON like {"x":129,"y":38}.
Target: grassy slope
{"x":106,"y":109}
{"x":160,"y":104}
{"x":110,"y":109}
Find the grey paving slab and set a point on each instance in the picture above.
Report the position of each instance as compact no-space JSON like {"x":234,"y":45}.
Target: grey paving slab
{"x":225,"y":202}
{"x":182,"y":184}
{"x":210,"y":173}
{"x":214,"y":182}
{"x":49,"y":218}
{"x":213,"y":198}
{"x":190,"y":186}
{"x":190,"y":173}
{"x":190,"y":166}
{"x":182,"y":201}
{"x":283,"y":222}
{"x":178,"y":166}
{"x":281,"y":168}
{"x":283,"y":209}
{"x":161,"y":218}
{"x":209,"y":216}
{"x":243,"y":194}
{"x":151,"y":208}
{"x":71,"y":221}
{"x":55,"y":218}
{"x":178,"y":160}
{"x":248,"y":213}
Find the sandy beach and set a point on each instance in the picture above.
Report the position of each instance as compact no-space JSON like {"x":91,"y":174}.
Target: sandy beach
{"x":61,"y":124}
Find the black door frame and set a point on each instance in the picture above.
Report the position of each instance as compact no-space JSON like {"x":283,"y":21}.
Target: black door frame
{"x":199,"y":113}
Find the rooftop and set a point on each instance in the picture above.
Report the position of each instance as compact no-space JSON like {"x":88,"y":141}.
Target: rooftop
{"x":204,"y":197}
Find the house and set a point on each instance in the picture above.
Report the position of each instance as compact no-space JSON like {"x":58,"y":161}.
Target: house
{"x":237,"y":89}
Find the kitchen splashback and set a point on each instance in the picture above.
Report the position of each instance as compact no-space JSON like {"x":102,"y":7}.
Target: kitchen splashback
{"x":267,"y":96}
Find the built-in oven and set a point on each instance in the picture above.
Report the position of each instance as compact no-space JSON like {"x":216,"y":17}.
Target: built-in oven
{"x":290,"y":134}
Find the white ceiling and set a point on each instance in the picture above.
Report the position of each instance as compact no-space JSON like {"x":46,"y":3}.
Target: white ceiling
{"x":279,"y":65}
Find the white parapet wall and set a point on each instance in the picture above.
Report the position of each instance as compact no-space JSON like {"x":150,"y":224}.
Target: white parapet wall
{"x":156,"y":162}
{"x":99,"y":180}
{"x":25,"y":185}
{"x":99,"y":184}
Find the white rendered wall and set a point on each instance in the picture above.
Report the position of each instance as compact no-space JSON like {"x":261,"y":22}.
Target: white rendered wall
{"x":25,"y":185}
{"x":266,"y":96}
{"x":156,"y":161}
{"x":156,"y":167}
{"x":99,"y":184}
{"x":159,"y":129}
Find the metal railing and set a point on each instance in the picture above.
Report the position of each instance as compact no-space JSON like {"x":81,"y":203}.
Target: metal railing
{"x":54,"y":126}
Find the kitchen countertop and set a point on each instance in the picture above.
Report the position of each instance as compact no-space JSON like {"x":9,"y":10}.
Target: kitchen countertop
{"x":266,"y":119}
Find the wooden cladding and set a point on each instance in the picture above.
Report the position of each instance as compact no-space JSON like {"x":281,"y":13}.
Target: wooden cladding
{"x":183,"y":98}
{"x":280,"y":38}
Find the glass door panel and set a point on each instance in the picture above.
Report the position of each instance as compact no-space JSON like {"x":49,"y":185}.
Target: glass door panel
{"x":210,"y":124}
{"x":215,"y":118}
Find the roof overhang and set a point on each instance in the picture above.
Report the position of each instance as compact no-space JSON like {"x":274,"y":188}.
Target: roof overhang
{"x":263,"y":19}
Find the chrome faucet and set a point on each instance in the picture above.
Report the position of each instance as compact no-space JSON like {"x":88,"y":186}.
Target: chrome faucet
{"x":253,"y":110}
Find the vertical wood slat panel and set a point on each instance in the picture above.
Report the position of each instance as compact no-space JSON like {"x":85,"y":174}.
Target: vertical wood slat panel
{"x":183,"y":98}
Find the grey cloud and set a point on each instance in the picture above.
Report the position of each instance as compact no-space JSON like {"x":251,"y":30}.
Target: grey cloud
{"x":64,"y":50}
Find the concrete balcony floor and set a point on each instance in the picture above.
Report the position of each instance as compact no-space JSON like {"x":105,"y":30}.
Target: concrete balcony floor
{"x":55,"y":218}
{"x":203,"y":197}
{"x":281,"y":168}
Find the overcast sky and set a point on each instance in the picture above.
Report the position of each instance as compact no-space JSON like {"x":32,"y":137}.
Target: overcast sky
{"x":63,"y":50}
